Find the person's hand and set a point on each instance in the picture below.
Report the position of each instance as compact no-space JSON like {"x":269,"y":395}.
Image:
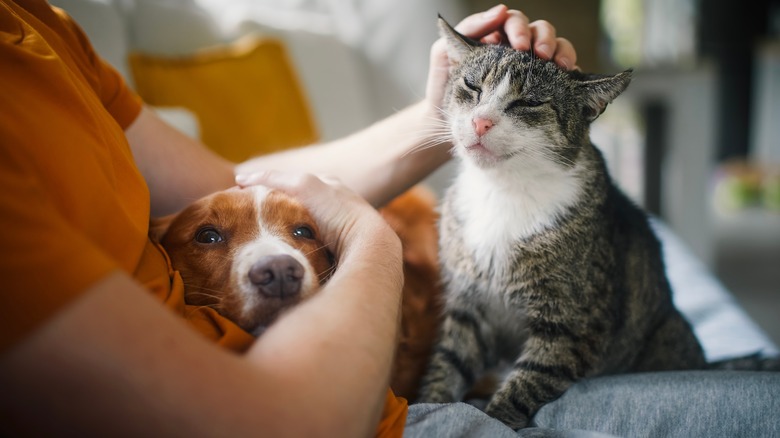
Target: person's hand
{"x":500,"y":25}
{"x":347,"y":222}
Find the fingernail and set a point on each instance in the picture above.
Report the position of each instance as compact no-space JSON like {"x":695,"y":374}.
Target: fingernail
{"x":244,"y":178}
{"x":241,"y":178}
{"x":492,"y":12}
{"x":543,"y":50}
{"x":522,"y":42}
{"x":565,"y":63}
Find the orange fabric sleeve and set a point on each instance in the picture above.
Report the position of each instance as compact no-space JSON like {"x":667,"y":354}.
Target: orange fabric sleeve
{"x":39,"y":276}
{"x":393,"y":416}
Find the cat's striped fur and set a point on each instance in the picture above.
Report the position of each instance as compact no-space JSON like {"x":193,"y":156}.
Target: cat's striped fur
{"x":546,"y":264}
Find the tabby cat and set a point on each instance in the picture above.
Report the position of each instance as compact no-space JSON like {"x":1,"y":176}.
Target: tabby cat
{"x":547,"y":265}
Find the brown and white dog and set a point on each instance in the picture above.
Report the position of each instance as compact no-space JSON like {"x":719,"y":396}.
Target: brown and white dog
{"x":252,"y":253}
{"x":248,"y":253}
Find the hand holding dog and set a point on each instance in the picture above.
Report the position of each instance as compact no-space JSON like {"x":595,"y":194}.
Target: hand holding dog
{"x":347,"y":221}
{"x":352,"y":323}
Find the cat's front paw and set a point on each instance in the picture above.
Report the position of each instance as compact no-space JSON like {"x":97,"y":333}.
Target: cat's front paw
{"x":507,"y":413}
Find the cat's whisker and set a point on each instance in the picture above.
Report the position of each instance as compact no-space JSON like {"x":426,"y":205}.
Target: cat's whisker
{"x":555,"y":156}
{"x":441,"y":110}
{"x":433,"y":139}
{"x":545,"y":152}
{"x":427,"y":145}
{"x":422,"y":133}
{"x":441,"y":127}
{"x":432,"y":127}
{"x":428,"y":136}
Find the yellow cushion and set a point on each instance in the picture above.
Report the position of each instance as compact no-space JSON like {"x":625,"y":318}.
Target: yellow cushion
{"x":246,"y":95}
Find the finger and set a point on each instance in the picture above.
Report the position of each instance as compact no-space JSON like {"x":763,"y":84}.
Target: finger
{"x":479,"y":25}
{"x":291,"y":182}
{"x":543,"y":37}
{"x":249,"y":179}
{"x":329,"y":179}
{"x":493,"y":38}
{"x":565,"y":55}
{"x":517,"y":30}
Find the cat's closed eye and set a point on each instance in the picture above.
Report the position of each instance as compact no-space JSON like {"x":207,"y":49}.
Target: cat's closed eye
{"x":524,"y":103}
{"x":473,"y":87}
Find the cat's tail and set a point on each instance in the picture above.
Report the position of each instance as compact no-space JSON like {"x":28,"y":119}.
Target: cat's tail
{"x":753,"y":362}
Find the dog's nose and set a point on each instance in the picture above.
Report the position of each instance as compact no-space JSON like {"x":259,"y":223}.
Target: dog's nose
{"x":277,"y":276}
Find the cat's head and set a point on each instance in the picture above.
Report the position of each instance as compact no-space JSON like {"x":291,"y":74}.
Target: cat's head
{"x":506,"y":105}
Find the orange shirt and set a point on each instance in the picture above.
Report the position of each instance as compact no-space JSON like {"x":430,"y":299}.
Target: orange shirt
{"x":73,"y":205}
{"x":76,"y":203}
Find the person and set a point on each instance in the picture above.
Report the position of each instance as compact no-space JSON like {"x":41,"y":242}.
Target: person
{"x":87,"y":348}
{"x":96,"y":338}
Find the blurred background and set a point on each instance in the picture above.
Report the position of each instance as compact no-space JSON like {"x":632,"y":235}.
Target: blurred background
{"x":695,"y":139}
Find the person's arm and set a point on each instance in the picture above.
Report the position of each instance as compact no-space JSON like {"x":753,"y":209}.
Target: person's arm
{"x":378,"y":162}
{"x":114,"y":362}
{"x":390,"y":156}
{"x":178,"y":169}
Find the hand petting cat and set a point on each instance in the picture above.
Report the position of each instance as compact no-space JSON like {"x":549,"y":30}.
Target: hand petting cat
{"x":500,"y":25}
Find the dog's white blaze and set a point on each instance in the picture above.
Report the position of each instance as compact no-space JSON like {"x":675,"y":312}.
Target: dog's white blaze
{"x":267,"y":243}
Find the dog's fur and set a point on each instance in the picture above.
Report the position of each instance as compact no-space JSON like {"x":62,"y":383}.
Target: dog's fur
{"x":253,"y":253}
{"x":413,"y":216}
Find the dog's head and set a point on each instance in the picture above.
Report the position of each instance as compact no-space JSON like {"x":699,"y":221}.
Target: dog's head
{"x":248,"y":253}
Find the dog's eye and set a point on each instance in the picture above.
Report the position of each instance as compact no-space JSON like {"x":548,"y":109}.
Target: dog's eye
{"x":303,"y":232}
{"x":208,"y":236}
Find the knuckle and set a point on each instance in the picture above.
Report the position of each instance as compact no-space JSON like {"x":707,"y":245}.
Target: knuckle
{"x":544,"y":25}
{"x":304,"y":180}
{"x":566,"y":46}
{"x":517,"y":13}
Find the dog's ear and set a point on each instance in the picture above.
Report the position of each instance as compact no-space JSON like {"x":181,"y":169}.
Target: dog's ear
{"x":158,"y":226}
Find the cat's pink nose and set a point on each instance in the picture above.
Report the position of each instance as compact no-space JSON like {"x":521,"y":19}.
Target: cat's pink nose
{"x":481,"y":126}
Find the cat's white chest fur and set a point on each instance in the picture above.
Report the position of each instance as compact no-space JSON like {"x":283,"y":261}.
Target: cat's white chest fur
{"x":502,"y":205}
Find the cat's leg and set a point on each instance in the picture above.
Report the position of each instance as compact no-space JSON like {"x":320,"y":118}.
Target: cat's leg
{"x":464,"y":349}
{"x":548,"y":366}
{"x":673,"y":346}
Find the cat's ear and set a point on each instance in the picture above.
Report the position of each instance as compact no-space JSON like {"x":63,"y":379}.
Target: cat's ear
{"x":600,"y":90}
{"x":458,"y":45}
